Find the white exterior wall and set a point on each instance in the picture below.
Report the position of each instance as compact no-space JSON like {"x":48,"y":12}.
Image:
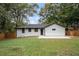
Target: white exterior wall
{"x":60,"y":31}
{"x":32,"y":33}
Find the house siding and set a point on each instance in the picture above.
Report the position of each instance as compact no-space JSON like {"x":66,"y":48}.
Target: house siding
{"x":26,"y":33}
{"x":47,"y":31}
{"x":60,"y":31}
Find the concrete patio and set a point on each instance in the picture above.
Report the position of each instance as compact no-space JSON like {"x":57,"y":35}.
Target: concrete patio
{"x":55,"y":37}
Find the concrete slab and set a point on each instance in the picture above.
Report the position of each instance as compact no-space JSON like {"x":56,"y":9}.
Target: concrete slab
{"x":55,"y":37}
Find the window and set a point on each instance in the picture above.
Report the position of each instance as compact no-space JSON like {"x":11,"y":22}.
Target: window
{"x":23,"y":30}
{"x":53,"y":29}
{"x":36,"y":30}
{"x":29,"y":30}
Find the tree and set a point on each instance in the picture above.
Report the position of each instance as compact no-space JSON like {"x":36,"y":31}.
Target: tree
{"x":21,"y":11}
{"x":4,"y":19}
{"x":60,"y":13}
{"x":67,"y":14}
{"x":50,"y":13}
{"x":12,"y":15}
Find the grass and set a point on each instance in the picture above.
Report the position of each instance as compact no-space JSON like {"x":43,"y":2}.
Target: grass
{"x":32,"y":46}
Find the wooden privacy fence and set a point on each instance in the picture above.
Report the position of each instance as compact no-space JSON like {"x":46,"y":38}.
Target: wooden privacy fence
{"x":2,"y":36}
{"x":72,"y":33}
{"x":10,"y":35}
{"x":7,"y":35}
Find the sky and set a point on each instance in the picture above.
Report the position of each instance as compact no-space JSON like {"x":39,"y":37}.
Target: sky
{"x":34,"y":19}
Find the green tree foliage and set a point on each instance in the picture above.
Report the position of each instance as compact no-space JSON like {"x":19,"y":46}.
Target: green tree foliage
{"x":15,"y":14}
{"x":65,"y":14}
{"x":21,"y":12}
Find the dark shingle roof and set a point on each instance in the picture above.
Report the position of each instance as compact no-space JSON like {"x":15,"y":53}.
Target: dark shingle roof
{"x":33,"y":26}
{"x":36,"y":26}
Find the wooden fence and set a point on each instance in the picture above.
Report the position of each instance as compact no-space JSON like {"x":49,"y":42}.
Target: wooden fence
{"x":7,"y":35}
{"x":72,"y":33}
{"x":2,"y":36}
{"x":10,"y":35}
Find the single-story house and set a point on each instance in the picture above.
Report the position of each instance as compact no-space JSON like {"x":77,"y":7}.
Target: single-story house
{"x":40,"y":30}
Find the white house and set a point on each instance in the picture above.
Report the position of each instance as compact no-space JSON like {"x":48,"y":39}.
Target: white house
{"x":40,"y":29}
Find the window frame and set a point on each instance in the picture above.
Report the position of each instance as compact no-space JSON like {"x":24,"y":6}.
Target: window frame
{"x":53,"y":29}
{"x":36,"y":30}
{"x":29,"y":29}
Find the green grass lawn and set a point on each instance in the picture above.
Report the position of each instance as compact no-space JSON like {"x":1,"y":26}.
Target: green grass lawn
{"x":32,"y":46}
